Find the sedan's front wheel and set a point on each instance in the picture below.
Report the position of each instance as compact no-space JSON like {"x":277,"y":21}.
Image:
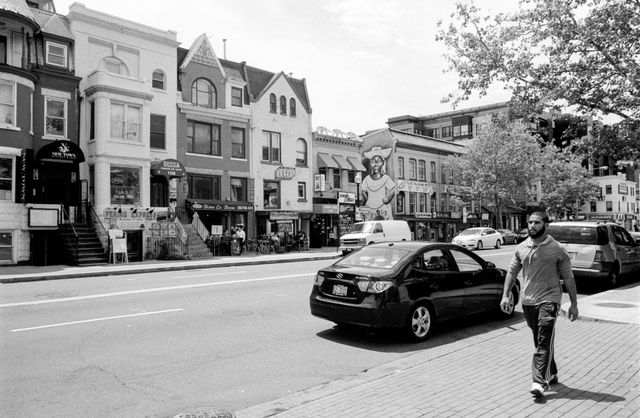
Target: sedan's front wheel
{"x":498,"y":243}
{"x":479,"y":245}
{"x":420,"y":322}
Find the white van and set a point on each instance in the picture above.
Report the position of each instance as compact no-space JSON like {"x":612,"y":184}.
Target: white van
{"x":371,"y":232}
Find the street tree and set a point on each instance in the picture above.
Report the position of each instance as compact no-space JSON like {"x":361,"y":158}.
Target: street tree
{"x":499,"y":166}
{"x":555,"y":53}
{"x":564,"y":184}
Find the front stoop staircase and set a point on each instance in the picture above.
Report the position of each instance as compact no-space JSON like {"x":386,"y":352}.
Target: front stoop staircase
{"x":90,"y":250}
{"x":197,"y":248}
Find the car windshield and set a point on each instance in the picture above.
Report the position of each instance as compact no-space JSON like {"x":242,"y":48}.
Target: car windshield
{"x":471,"y":231}
{"x":574,"y":234}
{"x":365,"y":227}
{"x":377,"y":257}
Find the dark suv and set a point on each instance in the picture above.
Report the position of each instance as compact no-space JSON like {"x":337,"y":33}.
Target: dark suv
{"x":598,"y":250}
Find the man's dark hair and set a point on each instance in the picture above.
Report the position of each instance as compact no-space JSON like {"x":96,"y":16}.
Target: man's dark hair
{"x":542,"y":215}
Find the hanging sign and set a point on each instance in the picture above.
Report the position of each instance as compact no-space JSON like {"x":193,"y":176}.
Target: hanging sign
{"x":285,"y":173}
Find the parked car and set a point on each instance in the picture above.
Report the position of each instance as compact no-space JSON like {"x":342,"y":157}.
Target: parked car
{"x":372,"y":232}
{"x":635,"y":236}
{"x":478,"y":238}
{"x":598,"y":250}
{"x":408,"y":285}
{"x":508,"y":237}
{"x":522,"y":235}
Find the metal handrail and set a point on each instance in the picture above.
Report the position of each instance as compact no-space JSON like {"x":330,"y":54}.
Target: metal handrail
{"x":75,"y":235}
{"x":200,"y":228}
{"x":103,"y":235}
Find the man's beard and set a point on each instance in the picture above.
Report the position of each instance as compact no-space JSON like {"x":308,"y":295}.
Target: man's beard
{"x":539,"y":233}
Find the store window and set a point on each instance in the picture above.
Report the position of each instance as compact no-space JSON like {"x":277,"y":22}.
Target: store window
{"x":125,"y":186}
{"x":237,"y":143}
{"x":271,"y":194}
{"x":238,"y":189}
{"x":204,"y":187}
{"x":6,"y":246}
{"x":7,"y":103}
{"x":126,"y":122}
{"x":6,"y":178}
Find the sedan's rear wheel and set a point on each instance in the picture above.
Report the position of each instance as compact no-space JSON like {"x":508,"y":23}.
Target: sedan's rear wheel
{"x":479,"y":245}
{"x":498,"y":243}
{"x":420,"y":322}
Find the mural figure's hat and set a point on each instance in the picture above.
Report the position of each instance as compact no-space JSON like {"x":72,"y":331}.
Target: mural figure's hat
{"x":382,"y":152}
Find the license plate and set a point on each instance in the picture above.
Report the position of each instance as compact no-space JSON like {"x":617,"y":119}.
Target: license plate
{"x":339,"y":290}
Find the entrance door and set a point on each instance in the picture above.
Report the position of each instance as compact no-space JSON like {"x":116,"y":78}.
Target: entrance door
{"x":159,"y":191}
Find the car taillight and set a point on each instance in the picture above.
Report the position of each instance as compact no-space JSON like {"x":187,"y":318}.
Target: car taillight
{"x":319,"y":279}
{"x":368,"y":286}
{"x":599,"y":257}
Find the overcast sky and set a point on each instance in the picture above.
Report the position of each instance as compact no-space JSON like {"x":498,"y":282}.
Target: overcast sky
{"x":364,"y":61}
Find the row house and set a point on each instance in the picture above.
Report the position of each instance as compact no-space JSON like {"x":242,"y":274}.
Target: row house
{"x":40,"y":181}
{"x":128,"y":120}
{"x":338,"y":172}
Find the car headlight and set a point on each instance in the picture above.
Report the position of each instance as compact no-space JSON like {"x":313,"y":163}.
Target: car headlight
{"x":362,"y":240}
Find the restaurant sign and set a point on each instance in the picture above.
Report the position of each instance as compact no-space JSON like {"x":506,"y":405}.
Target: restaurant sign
{"x":414,"y":186}
{"x":283,"y":215}
{"x":285,"y":173}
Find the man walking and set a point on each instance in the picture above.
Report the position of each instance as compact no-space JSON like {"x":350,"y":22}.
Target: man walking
{"x":240,"y":235}
{"x":544,"y":264}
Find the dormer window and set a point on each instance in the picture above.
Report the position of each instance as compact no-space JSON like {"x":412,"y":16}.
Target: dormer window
{"x":203,"y":94}
{"x":56,"y":54}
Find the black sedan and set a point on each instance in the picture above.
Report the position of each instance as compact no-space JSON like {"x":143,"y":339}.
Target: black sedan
{"x":508,"y":237}
{"x":522,"y":235}
{"x":408,"y":285}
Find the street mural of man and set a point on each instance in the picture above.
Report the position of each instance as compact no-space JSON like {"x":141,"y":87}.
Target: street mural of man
{"x":377,"y":188}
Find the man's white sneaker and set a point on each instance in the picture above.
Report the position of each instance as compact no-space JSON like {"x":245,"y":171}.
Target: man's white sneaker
{"x":537,"y":390}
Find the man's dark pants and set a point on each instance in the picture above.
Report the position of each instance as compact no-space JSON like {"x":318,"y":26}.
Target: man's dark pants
{"x":542,"y":319}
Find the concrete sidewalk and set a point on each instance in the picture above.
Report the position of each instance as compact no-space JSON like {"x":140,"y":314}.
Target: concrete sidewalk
{"x":20,"y":273}
{"x":488,"y":375}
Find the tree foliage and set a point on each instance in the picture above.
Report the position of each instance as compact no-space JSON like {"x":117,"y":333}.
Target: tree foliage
{"x":583,"y":53}
{"x":565,"y":185}
{"x":499,"y":166}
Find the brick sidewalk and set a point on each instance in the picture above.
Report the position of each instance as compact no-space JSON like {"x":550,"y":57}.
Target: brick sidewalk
{"x":486,"y":375}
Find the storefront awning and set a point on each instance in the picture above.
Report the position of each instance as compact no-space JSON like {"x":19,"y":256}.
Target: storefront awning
{"x":325,"y":160}
{"x":170,"y":168}
{"x":61,"y":151}
{"x":342,"y":162}
{"x":357,"y":165}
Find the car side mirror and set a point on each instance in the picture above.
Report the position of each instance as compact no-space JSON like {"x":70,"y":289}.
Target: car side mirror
{"x":490,"y":265}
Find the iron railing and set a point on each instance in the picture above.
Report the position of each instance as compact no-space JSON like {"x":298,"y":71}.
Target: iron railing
{"x":103,"y":235}
{"x":76,"y":237}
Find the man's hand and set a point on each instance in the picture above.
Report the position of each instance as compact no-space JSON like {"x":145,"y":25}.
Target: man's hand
{"x":504,"y":304}
{"x":573,"y":313}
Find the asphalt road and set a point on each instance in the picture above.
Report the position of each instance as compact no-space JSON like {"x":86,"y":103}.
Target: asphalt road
{"x":157,"y":344}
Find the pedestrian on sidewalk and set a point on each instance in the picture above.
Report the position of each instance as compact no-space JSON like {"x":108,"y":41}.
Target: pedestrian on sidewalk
{"x":544,"y":263}
{"x":240,"y":235}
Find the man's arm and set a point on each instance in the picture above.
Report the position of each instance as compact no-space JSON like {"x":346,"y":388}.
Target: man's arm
{"x":564,"y":266}
{"x":510,"y":279}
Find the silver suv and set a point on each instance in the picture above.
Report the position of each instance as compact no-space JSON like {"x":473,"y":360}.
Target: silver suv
{"x":598,"y":250}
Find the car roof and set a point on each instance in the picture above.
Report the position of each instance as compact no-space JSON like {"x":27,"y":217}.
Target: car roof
{"x":413,"y":245}
{"x":582,"y":223}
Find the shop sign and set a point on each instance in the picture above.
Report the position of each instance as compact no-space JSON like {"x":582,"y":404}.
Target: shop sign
{"x":414,"y":186}
{"x":623,"y":189}
{"x":456,"y":215}
{"x":222,"y":206}
{"x":325,"y":209}
{"x":601,"y":217}
{"x":348,"y":198}
{"x":442,"y":214}
{"x":128,"y":224}
{"x":131,"y":212}
{"x":285,"y":173}
{"x":283,"y":215}
{"x":170,"y":168}
{"x":423,"y":215}
{"x":319,"y":183}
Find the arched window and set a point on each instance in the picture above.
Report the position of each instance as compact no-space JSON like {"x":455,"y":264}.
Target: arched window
{"x":115,"y":66}
{"x":292,"y":106}
{"x":272,"y":103}
{"x":301,"y":152}
{"x":283,"y":105}
{"x":157,"y":80}
{"x":203,"y":93}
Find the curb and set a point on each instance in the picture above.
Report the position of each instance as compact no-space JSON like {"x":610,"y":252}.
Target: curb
{"x":33,"y":277}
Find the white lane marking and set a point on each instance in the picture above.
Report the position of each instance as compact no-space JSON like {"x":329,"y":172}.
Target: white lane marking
{"x":61,"y":324}
{"x":155,"y":289}
{"x":189,"y":276}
